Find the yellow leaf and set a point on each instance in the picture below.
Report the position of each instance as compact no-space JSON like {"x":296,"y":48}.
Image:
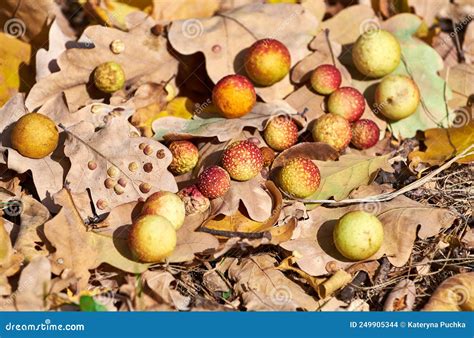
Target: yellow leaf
{"x":168,"y":10}
{"x":144,"y":117}
{"x":442,"y":144}
{"x":114,"y":12}
{"x":180,"y":107}
{"x":15,"y":54}
{"x":234,"y":223}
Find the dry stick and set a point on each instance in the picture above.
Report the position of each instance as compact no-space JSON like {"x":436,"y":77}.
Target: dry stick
{"x":326,"y":32}
{"x":391,"y":195}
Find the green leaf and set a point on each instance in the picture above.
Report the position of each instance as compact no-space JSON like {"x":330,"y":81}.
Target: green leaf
{"x":88,"y":304}
{"x":422,"y":63}
{"x":340,"y":177}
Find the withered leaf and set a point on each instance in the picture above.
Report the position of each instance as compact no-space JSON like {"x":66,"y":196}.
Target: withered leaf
{"x":115,"y":164}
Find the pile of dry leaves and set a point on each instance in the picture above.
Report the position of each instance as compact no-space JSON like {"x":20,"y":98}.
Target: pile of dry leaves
{"x":63,"y":241}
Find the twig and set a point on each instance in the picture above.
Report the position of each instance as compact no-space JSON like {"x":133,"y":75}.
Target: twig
{"x":391,"y":195}
{"x":326,"y":32}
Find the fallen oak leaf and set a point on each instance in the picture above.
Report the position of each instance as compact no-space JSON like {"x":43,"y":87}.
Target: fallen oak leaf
{"x":246,"y":192}
{"x":454,"y":294}
{"x":10,"y":262}
{"x":402,"y":297}
{"x":263,"y":287}
{"x":172,"y":128}
{"x":348,"y":24}
{"x":77,"y":64}
{"x":81,"y":250}
{"x":444,"y":143}
{"x":239,"y":221}
{"x":191,"y":242}
{"x":34,"y":286}
{"x":30,"y":238}
{"x":116,"y":165}
{"x":458,"y":78}
{"x":222,"y":39}
{"x":339,"y":178}
{"x":311,"y":150}
{"x":400,"y":217}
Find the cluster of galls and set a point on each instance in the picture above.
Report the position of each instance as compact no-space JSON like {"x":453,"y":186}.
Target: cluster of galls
{"x":375,"y":54}
{"x":345,"y":105}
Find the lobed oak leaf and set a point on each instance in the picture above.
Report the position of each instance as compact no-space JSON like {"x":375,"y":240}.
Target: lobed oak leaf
{"x":339,"y":178}
{"x":115,"y":164}
{"x":403,"y":220}
{"x":80,"y":250}
{"x":171,"y":128}
{"x":77,"y":64}
{"x":263,"y":287}
{"x":223,"y":39}
{"x":454,"y":294}
{"x":445,"y":143}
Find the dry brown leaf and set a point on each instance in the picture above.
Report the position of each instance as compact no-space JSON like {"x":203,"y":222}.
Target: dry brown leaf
{"x":77,"y":64}
{"x":454,"y":294}
{"x":264,"y":288}
{"x":348,"y":24}
{"x":115,"y":146}
{"x":239,"y":221}
{"x":400,"y":217}
{"x":27,"y":19}
{"x":468,"y":44}
{"x":163,"y":287}
{"x":402,"y":297}
{"x":191,"y":242}
{"x":459,"y":79}
{"x":325,"y":52}
{"x":222,"y":39}
{"x":80,"y":250}
{"x":29,"y":241}
{"x":97,"y":113}
{"x":34,"y":285}
{"x":312,"y":150}
{"x":337,"y":281}
{"x":10,"y":262}
{"x":444,"y":44}
{"x":149,"y":101}
{"x":304,"y":99}
{"x":46,"y":59}
{"x":172,"y":128}
{"x":248,"y":192}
